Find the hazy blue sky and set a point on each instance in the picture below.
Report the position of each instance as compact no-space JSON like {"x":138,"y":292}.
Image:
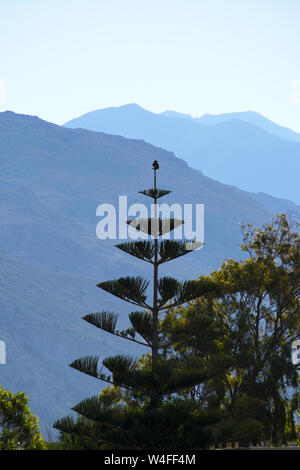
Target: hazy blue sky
{"x":62,"y":58}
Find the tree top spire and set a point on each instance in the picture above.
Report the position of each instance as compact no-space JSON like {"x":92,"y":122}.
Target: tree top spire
{"x":155,"y":193}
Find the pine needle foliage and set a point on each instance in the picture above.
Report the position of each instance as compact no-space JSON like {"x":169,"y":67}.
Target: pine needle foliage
{"x":155,"y":227}
{"x":106,"y":321}
{"x":155,"y":193}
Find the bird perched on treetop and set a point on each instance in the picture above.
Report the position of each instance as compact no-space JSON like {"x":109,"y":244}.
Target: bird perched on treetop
{"x":155,"y":165}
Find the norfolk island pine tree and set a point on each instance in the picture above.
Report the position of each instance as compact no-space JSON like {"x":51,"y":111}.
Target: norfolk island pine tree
{"x":142,"y":409}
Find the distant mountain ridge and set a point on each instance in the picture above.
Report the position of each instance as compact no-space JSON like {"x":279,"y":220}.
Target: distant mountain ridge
{"x":240,"y":149}
{"x":246,"y":116}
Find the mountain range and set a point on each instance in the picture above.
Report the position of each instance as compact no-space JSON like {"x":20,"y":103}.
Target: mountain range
{"x":246,"y":116}
{"x":52,"y":179}
{"x":241,"y":149}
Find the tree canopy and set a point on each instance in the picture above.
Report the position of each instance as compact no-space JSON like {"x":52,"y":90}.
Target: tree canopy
{"x":18,"y":426}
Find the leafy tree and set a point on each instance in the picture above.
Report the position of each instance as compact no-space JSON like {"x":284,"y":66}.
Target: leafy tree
{"x":252,"y":326}
{"x":18,"y":427}
{"x":142,"y":409}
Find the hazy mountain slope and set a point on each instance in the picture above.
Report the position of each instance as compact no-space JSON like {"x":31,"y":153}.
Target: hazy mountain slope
{"x":276,"y":205}
{"x":247,"y":116}
{"x":40,"y":322}
{"x":253,"y":118}
{"x":232,"y":151}
{"x":52,"y":180}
